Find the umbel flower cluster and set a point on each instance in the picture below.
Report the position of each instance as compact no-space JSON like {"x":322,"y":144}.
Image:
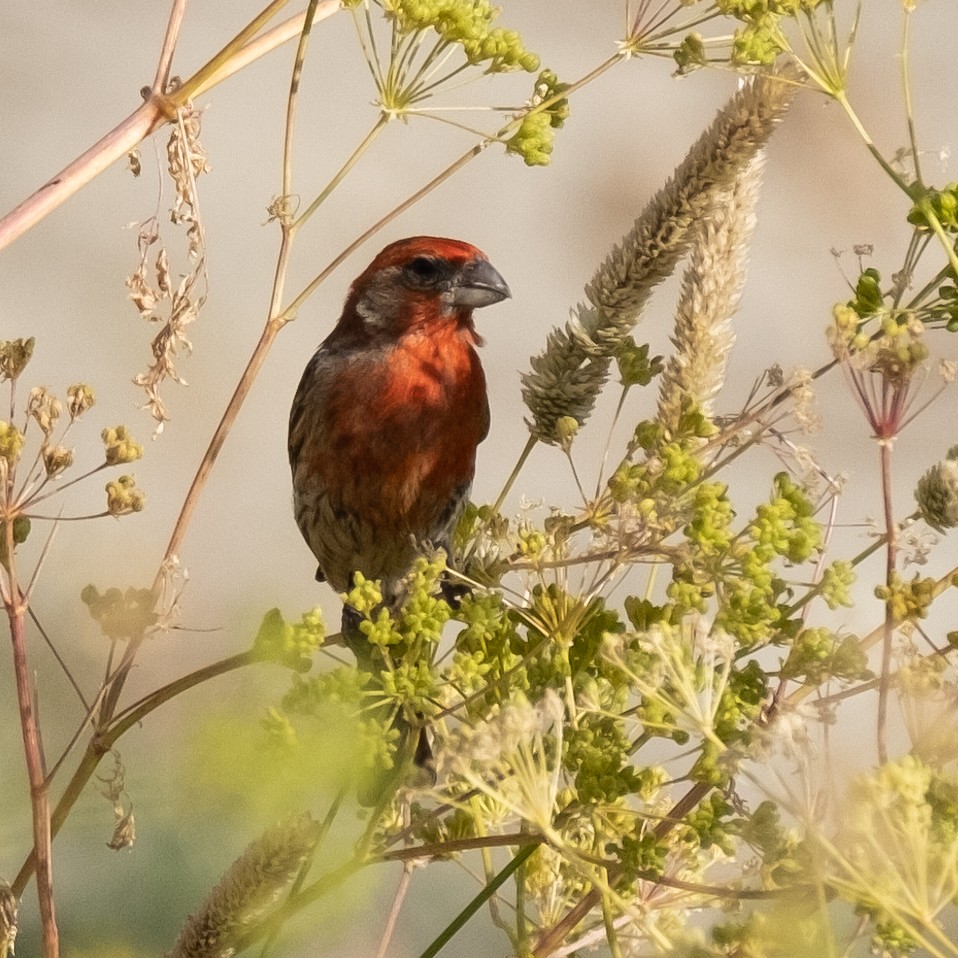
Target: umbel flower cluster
{"x":28,"y":484}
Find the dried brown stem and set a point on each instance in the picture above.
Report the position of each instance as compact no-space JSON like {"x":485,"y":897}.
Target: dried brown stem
{"x":36,"y":770}
{"x":152,"y":114}
{"x":165,"y":62}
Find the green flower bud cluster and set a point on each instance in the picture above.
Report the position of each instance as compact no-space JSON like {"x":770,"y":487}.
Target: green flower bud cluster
{"x":708,"y":824}
{"x":709,"y":529}
{"x":534,"y":140}
{"x":123,"y":496}
{"x":689,"y":591}
{"x":421,"y":618}
{"x":11,"y":443}
{"x":486,"y":653}
{"x":785,"y":525}
{"x":365,"y":595}
{"x":942,"y":204}
{"x":342,"y":687}
{"x":937,"y":493}
{"x":412,"y":682}
{"x":597,"y":755}
{"x":690,"y":54}
{"x":635,"y":366}
{"x":640,"y":853}
{"x":818,"y":654}
{"x":837,"y":580}
{"x":468,"y":23}
{"x":665,"y":474}
{"x":14,"y":356}
{"x":749,"y":607}
{"x":425,"y":612}
{"x":342,"y":695}
{"x":120,"y":446}
{"x":908,"y":600}
{"x":758,"y":42}
{"x":289,"y":644}
{"x":741,"y":703}
{"x":756,"y":9}
{"x":532,"y":542}
{"x":121,"y":615}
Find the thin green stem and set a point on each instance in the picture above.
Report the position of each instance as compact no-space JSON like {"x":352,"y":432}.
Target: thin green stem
{"x":196,"y":82}
{"x":531,"y":443}
{"x":341,"y":174}
{"x":135,"y":713}
{"x":453,"y":928}
{"x":893,"y":174}
{"x":293,"y":98}
{"x":608,"y":921}
{"x":906,"y":89}
{"x":290,"y":311}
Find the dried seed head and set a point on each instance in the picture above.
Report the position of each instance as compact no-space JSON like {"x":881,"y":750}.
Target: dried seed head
{"x":44,"y":408}
{"x":245,"y":893}
{"x":80,"y":398}
{"x":568,"y":375}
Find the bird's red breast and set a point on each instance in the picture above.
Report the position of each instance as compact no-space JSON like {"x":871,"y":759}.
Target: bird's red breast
{"x":401,"y":428}
{"x":391,"y":408}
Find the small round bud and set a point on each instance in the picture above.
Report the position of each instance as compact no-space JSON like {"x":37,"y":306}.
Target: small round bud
{"x":14,"y":356}
{"x":566,"y":429}
{"x":80,"y":398}
{"x":120,"y":446}
{"x":123,"y":496}
{"x":56,"y":459}
{"x":11,"y":443}
{"x":44,"y":408}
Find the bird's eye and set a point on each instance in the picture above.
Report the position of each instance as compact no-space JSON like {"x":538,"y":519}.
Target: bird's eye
{"x":424,"y":269}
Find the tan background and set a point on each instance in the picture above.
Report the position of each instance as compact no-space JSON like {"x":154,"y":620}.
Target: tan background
{"x":69,"y":71}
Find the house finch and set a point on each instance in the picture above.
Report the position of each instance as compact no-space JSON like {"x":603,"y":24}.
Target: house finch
{"x":387,"y":417}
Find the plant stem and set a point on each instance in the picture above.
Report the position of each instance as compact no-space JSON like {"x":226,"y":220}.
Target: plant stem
{"x":147,"y":118}
{"x":197,"y":81}
{"x":891,"y":550}
{"x":36,"y":771}
{"x":353,"y":159}
{"x":405,"y":879}
{"x":484,"y":895}
{"x":165,"y":62}
{"x":106,"y":738}
{"x":135,"y":713}
{"x":290,"y":311}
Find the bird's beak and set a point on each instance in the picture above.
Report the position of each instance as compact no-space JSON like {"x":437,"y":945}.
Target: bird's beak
{"x":479,"y":284}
